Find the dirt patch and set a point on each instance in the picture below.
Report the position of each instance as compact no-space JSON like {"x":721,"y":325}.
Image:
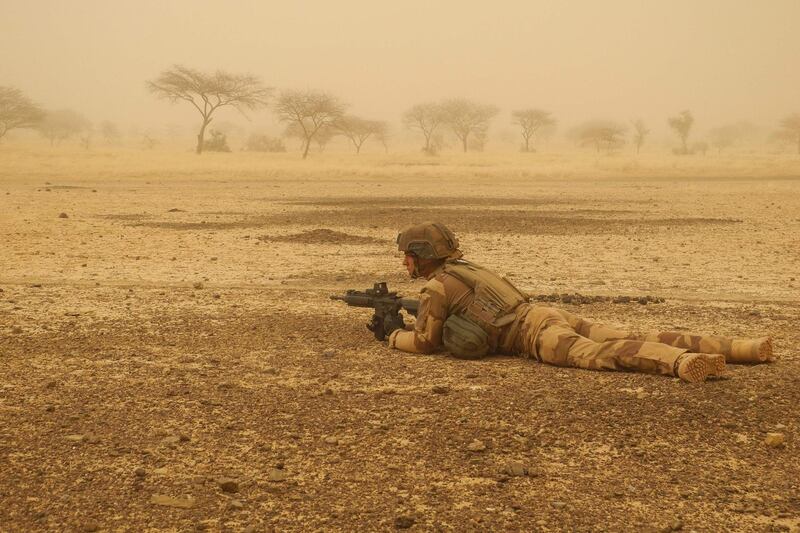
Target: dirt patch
{"x":322,"y":236}
{"x":494,"y":221}
{"x":432,"y":201}
{"x":127,"y":217}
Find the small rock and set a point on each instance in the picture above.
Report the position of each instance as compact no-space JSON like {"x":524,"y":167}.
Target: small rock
{"x":228,"y":485}
{"x":331,"y":440}
{"x":63,"y":215}
{"x":676,"y":525}
{"x":276,"y":475}
{"x":558,"y":505}
{"x":236,"y":504}
{"x":184,"y":438}
{"x":216,"y":296}
{"x":186,"y":502}
{"x":403,"y":522}
{"x":172,"y":439}
{"x":90,"y":527}
{"x":440,"y":389}
{"x":471,"y":375}
{"x":50,"y":408}
{"x":16,"y":330}
{"x":775,"y":440}
{"x":476,"y":446}
{"x":515,"y":469}
{"x":140,"y":472}
{"x":249,"y":529}
{"x":75,"y":438}
{"x":198,"y":285}
{"x":329,"y":352}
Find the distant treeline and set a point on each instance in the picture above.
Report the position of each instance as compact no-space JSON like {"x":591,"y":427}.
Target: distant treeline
{"x":316,"y":117}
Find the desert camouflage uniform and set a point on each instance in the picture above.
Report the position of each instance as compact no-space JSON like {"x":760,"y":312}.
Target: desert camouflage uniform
{"x":560,"y":338}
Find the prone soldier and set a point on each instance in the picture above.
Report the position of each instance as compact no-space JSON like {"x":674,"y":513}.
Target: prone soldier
{"x":473,"y":312}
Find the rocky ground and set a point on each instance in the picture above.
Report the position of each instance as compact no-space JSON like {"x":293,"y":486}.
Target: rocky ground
{"x":170,"y":359}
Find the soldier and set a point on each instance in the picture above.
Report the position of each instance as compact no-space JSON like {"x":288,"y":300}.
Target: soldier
{"x":473,"y":312}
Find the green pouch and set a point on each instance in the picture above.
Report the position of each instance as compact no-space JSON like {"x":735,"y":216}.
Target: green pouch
{"x":464,"y":339}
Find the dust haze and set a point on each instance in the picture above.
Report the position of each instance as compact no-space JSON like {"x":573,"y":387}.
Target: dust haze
{"x":184,"y":185}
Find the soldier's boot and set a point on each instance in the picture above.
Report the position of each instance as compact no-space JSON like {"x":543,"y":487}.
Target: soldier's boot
{"x":751,"y":350}
{"x":696,"y":367}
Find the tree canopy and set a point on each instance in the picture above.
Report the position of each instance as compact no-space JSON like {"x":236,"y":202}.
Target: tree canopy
{"x":208,"y":92}
{"x":17,"y":111}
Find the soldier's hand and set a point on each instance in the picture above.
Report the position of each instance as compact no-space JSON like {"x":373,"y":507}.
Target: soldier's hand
{"x":392,"y":323}
{"x":377,"y":327}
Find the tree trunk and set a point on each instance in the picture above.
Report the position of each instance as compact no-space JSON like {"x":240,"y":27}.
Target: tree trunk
{"x":201,"y":137}
{"x":464,"y":142}
{"x":527,"y":144}
{"x":685,"y":148}
{"x":305,"y":150}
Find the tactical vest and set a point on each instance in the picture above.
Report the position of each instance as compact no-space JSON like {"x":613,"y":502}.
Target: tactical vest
{"x":495,"y":300}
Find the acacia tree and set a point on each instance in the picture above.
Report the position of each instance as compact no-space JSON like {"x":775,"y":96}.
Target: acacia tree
{"x":358,"y":130}
{"x":531,"y":121}
{"x":17,"y":111}
{"x":466,"y":118}
{"x":62,"y":124}
{"x":640,"y":131}
{"x":307,"y":113}
{"x":208,"y":92}
{"x":426,"y":118}
{"x":790,"y":129}
{"x":682,"y":124}
{"x":602,"y":134}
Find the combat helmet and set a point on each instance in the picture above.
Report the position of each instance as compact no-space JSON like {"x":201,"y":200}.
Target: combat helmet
{"x":430,"y":240}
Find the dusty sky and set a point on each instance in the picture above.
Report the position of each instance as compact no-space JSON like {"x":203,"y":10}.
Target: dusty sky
{"x":621,"y":59}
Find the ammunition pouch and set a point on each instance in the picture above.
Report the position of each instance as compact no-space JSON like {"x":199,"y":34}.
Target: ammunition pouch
{"x":465,"y":339}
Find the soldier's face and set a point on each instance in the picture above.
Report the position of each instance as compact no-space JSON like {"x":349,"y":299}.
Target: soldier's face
{"x":408,"y":262}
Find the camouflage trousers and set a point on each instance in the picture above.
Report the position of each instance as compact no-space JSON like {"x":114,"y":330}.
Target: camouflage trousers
{"x":560,"y":338}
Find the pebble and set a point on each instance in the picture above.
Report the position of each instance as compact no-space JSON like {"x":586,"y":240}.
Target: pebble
{"x":329,"y":352}
{"x":331,"y":440}
{"x":168,"y":501}
{"x":140,"y":472}
{"x":228,"y":485}
{"x":403,"y":522}
{"x":515,"y":469}
{"x":63,"y":215}
{"x":198,"y":285}
{"x":440,"y":389}
{"x":236,"y":504}
{"x":90,"y":527}
{"x":476,"y":446}
{"x":276,"y":475}
{"x":775,"y":440}
{"x":75,"y":438}
{"x":558,"y":505}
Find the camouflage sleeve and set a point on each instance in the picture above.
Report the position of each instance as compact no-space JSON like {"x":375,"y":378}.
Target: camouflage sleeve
{"x":426,"y":336}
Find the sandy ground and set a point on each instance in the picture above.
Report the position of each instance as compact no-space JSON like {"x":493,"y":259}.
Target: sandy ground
{"x":170,"y":360}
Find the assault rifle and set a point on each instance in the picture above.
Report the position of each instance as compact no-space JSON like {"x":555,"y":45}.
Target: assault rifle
{"x":387,"y":306}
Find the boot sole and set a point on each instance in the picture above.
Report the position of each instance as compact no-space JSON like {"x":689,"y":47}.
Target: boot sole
{"x":695,"y":370}
{"x":765,"y":350}
{"x":715,"y":363}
